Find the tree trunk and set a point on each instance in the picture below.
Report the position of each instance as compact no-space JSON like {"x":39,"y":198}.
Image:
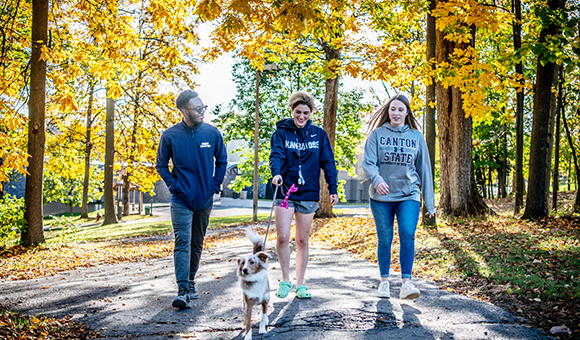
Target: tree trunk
{"x":536,"y":205}
{"x":500,"y":182}
{"x":459,"y":195}
{"x":480,"y":180}
{"x":556,"y":175}
{"x":576,"y":167}
{"x":551,"y":126}
{"x":131,"y":161}
{"x":569,"y":170}
{"x":256,"y":184}
{"x":109,"y":198}
{"x":88,"y":146}
{"x":330,"y":109}
{"x":519,"y":173}
{"x":33,"y":215}
{"x":490,"y":183}
{"x":126,"y":193}
{"x":504,"y":164}
{"x":430,"y":133}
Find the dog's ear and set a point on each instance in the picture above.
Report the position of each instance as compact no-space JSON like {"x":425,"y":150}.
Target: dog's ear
{"x":240,"y":260}
{"x":263,"y":256}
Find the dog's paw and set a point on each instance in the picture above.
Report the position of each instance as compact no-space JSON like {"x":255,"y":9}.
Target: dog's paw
{"x":263,"y":324}
{"x":248,"y":336}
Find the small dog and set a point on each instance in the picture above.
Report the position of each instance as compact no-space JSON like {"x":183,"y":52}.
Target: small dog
{"x":254,"y":283}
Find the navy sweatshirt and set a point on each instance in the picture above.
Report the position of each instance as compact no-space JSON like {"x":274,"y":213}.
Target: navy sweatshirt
{"x":192,"y":150}
{"x":309,"y":146}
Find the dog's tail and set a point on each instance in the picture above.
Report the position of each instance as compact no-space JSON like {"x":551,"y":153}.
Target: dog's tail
{"x":255,"y":239}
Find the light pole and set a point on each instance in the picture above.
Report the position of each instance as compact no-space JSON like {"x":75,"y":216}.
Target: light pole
{"x":267,"y":67}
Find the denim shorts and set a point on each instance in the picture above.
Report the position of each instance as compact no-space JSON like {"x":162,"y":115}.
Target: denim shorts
{"x":303,"y":207}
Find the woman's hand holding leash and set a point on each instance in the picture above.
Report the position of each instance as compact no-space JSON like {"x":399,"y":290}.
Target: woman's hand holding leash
{"x":277,"y":180}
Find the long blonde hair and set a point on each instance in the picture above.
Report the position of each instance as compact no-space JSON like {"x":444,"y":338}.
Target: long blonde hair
{"x":381,"y":116}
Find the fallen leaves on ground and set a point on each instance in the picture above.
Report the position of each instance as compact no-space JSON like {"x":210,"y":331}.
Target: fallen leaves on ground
{"x":20,"y":263}
{"x":14,"y":326}
{"x":50,"y":260}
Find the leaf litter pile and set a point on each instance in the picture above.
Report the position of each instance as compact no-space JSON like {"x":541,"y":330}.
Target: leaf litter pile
{"x":530,"y":268}
{"x":14,"y":325}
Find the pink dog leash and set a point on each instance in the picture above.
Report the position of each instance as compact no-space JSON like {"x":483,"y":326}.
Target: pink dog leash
{"x":284,"y":203}
{"x":270,"y":220}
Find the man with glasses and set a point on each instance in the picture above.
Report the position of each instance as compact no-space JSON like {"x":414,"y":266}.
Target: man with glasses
{"x":198,"y":155}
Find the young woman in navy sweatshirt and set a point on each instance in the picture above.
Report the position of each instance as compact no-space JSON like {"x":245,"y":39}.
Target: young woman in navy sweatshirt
{"x":299,"y":151}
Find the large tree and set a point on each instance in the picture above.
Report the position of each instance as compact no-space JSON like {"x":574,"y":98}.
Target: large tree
{"x":87,"y":154}
{"x":108,"y":183}
{"x":36,"y":133}
{"x":430,"y":133}
{"x":536,"y":202}
{"x":519,"y":68}
{"x":459,"y":194}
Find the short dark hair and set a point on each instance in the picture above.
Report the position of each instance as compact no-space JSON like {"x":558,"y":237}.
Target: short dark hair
{"x":184,"y":97}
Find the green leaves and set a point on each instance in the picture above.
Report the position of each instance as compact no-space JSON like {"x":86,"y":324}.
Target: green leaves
{"x":12,"y":221}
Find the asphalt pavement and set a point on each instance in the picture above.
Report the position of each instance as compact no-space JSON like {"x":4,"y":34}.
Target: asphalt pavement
{"x":133,"y":300}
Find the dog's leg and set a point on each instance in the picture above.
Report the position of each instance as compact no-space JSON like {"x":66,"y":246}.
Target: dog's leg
{"x":248,"y":317}
{"x":264,"y":321}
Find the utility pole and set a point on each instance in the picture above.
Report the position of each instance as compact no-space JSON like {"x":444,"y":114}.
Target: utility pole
{"x":267,"y":67}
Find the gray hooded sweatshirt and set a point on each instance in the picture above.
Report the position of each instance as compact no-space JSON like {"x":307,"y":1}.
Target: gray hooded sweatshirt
{"x":399,"y":157}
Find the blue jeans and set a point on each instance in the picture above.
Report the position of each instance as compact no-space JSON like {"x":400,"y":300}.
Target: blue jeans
{"x":189,"y":228}
{"x":407,"y":213}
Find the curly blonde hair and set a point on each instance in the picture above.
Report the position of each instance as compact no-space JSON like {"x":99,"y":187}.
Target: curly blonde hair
{"x":301,"y":98}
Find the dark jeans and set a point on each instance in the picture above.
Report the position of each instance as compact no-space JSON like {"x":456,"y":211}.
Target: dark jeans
{"x":189,"y":228}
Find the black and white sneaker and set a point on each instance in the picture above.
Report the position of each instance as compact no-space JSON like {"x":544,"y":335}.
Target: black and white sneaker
{"x":192,"y":293}
{"x":182,"y":299}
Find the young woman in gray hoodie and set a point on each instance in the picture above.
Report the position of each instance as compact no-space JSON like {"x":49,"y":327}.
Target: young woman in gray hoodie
{"x":396,"y":161}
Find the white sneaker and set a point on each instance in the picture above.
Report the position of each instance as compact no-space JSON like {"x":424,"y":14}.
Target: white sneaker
{"x":384,"y":290}
{"x":408,"y":291}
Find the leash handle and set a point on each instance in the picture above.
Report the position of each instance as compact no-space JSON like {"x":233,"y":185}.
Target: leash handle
{"x":270,"y":220}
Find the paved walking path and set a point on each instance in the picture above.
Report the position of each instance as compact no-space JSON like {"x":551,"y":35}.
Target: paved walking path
{"x":133,"y":300}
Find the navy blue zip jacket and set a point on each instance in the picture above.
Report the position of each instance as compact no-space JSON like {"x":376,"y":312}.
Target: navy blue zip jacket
{"x":308,"y":146}
{"x":192,"y":150}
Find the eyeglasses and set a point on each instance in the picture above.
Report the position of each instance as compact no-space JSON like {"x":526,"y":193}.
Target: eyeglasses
{"x":199,"y":110}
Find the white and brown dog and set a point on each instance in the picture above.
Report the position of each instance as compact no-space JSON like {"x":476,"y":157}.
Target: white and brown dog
{"x":254,"y":282}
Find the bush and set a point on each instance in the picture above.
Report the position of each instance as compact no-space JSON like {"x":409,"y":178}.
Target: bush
{"x":12,"y":221}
